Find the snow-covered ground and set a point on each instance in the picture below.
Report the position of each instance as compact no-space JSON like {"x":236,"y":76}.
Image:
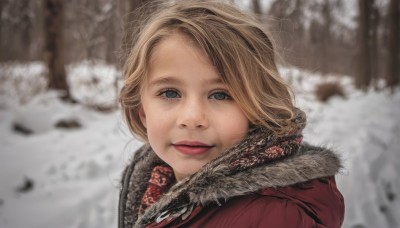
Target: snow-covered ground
{"x":74,"y":173}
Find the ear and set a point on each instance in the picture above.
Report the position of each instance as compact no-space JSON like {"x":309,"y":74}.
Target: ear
{"x":142,"y":115}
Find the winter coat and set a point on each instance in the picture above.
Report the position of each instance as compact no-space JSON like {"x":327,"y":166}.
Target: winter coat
{"x":298,"y":190}
{"x":265,"y":180}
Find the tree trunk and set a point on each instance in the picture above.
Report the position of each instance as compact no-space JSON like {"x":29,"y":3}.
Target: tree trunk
{"x":256,"y":7}
{"x":363,"y":74}
{"x":111,"y":35}
{"x":1,"y":38}
{"x":26,"y":9}
{"x":393,"y":71}
{"x":326,"y":37}
{"x":374,"y":54}
{"x":54,"y":45}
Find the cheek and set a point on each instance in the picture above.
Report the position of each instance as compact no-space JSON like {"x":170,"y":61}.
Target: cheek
{"x":235,"y":127}
{"x":155,"y":138}
{"x":142,"y":116}
{"x":157,"y":128}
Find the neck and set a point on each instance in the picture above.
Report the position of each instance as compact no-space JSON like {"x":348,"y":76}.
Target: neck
{"x":179,"y":176}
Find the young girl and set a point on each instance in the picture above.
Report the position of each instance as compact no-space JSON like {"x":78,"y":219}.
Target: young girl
{"x":223,"y":144}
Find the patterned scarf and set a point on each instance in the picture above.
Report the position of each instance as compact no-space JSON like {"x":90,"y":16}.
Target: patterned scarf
{"x":161,"y":179}
{"x":259,"y":147}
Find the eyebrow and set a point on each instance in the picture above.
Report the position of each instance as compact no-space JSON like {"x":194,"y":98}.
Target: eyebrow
{"x":173,"y":80}
{"x":164,"y":80}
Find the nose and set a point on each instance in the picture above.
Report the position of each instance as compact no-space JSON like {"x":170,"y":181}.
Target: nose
{"x":192,"y":115}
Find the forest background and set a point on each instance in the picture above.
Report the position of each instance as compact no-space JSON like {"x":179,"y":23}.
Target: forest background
{"x":358,"y":37}
{"x":61,"y":159}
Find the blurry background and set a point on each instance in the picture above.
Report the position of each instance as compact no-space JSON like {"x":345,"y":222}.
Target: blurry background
{"x":330,"y":36}
{"x":63,"y":144}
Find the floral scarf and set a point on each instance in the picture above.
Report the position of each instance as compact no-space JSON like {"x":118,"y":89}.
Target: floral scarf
{"x":259,"y":147}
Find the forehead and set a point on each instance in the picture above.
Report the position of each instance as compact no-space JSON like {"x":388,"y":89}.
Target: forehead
{"x":177,"y":56}
{"x":173,"y":44}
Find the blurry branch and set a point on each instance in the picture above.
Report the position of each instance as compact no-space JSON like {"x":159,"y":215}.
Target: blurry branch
{"x":92,"y":30}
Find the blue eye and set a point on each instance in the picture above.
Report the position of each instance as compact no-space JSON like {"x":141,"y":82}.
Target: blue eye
{"x":169,"y":94}
{"x":220,"y":96}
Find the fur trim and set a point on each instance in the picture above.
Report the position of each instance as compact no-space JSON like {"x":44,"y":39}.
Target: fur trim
{"x":133,"y":186}
{"x":213,"y":182}
{"x":212,"y":185}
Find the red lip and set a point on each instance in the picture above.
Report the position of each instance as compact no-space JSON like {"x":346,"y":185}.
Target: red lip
{"x":192,"y":147}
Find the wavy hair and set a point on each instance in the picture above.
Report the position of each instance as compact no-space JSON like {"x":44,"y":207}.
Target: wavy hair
{"x":237,"y":45}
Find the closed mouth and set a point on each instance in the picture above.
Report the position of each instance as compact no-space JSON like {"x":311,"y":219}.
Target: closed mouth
{"x":192,"y":144}
{"x":192,"y":147}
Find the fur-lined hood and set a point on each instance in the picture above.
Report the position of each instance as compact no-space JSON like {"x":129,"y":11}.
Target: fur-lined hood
{"x":215,"y":183}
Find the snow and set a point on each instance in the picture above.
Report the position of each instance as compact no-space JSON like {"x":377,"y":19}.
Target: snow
{"x":95,"y":83}
{"x":19,"y":82}
{"x":247,"y":4}
{"x":365,"y":129}
{"x":76,"y":172}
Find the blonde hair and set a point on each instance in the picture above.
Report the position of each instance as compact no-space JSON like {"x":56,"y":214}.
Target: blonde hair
{"x":236,"y":44}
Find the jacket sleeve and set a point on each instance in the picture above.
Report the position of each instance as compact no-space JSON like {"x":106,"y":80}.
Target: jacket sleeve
{"x":316,"y":203}
{"x":280,"y":213}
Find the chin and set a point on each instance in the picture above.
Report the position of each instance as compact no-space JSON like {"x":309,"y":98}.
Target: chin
{"x":185,"y":172}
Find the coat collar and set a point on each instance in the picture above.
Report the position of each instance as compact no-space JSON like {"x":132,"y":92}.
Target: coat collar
{"x":216,"y":182}
{"x":213,"y":185}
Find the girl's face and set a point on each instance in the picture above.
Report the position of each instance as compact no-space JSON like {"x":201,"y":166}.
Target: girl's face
{"x":187,"y":110}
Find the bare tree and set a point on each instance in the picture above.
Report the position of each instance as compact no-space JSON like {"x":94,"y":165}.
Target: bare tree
{"x":256,"y":7}
{"x":363,"y":73}
{"x":27,"y":24}
{"x":1,"y":13}
{"x":326,"y":36}
{"x":93,"y":22}
{"x":54,"y":44}
{"x":393,"y":72}
{"x":17,"y":29}
{"x":111,"y":34}
{"x":374,"y":18}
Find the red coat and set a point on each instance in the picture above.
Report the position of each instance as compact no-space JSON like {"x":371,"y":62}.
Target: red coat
{"x":297,"y":191}
{"x":316,"y":203}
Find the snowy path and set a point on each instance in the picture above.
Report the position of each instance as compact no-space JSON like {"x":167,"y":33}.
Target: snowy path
{"x":365,"y":129}
{"x":75,"y":172}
